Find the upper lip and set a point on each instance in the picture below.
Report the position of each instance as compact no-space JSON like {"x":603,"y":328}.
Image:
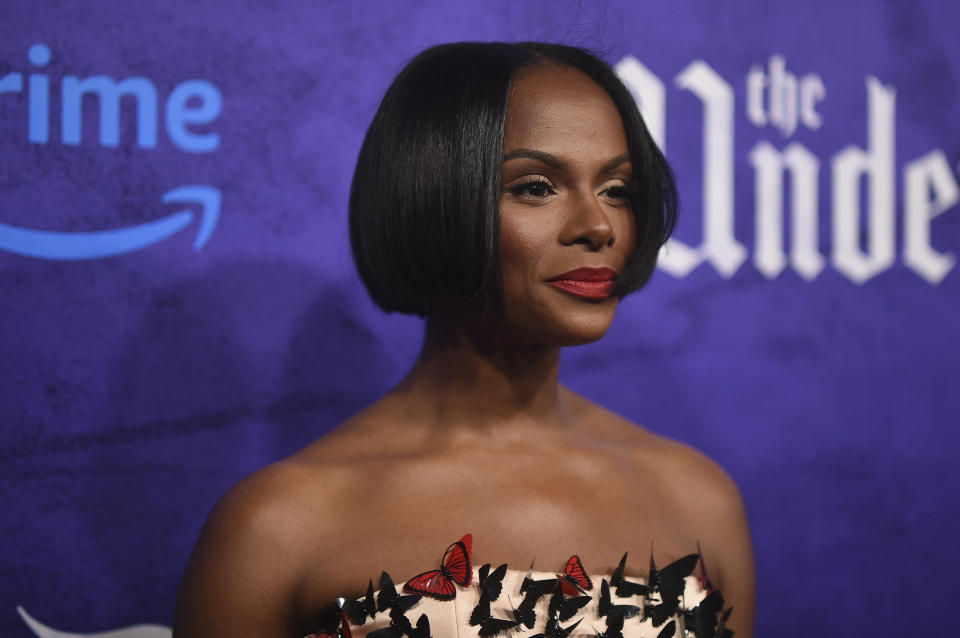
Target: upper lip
{"x":588,"y":274}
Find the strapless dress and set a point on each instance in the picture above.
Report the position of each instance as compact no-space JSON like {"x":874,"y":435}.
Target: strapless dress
{"x":458,"y":600}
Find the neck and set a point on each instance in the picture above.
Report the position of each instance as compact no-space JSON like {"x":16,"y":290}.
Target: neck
{"x":471,"y":375}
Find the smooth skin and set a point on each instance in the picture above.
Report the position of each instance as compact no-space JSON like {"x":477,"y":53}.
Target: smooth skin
{"x":480,"y":436}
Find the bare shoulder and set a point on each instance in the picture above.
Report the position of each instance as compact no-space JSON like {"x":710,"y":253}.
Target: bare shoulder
{"x":280,"y":544}
{"x":712,"y":505}
{"x":280,"y":501}
{"x":707,"y":491}
{"x":704,"y":495}
{"x":261,"y":542}
{"x":691,"y":476}
{"x":696,"y":493}
{"x":246,"y":566}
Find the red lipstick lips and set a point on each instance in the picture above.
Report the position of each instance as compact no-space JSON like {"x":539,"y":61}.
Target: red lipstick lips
{"x":588,"y":283}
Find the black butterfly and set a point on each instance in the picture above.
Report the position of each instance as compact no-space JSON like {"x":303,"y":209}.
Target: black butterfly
{"x":669,"y":583}
{"x":709,"y":619}
{"x":422,"y":630}
{"x":399,"y":621}
{"x":563,"y":608}
{"x":386,"y":632}
{"x":534,"y":590}
{"x":491,"y":584}
{"x":388,"y":598}
{"x":722,"y":631}
{"x":537,"y":587}
{"x":330,"y":620}
{"x":489,"y":626}
{"x":624,"y":587}
{"x":554,"y":630}
{"x":607,"y":609}
{"x":669,"y":630}
{"x":614,"y":628}
{"x":702,"y":619}
{"x":359,"y":610}
{"x":525,"y":613}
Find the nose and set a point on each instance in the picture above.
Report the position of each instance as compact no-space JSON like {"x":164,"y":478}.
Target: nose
{"x":588,"y":224}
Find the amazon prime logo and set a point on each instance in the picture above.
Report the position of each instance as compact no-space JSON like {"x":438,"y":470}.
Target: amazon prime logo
{"x":191,"y":103}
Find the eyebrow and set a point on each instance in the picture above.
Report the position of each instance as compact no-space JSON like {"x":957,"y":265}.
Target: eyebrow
{"x":548,"y":159}
{"x":557,"y":163}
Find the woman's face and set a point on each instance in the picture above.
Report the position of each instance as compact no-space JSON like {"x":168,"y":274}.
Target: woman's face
{"x":566,"y":228}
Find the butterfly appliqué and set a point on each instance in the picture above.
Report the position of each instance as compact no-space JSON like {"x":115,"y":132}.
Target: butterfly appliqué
{"x":661,"y":598}
{"x":574,"y":579}
{"x":455,"y":567}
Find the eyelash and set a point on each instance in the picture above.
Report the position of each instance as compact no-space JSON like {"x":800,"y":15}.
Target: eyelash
{"x":621,"y":192}
{"x":523,"y":188}
{"x":618,"y":192}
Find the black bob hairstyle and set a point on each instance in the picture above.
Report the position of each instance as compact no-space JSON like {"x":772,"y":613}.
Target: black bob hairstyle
{"x":425,"y":197}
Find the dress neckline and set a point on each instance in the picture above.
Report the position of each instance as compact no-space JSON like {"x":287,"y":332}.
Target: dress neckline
{"x":461,"y":599}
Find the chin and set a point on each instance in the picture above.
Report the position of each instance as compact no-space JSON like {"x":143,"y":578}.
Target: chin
{"x":583,"y":337}
{"x":569,"y":322}
{"x":579,"y":328}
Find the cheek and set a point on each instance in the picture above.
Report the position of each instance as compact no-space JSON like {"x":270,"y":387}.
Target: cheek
{"x":522,"y":244}
{"x":628,"y":236}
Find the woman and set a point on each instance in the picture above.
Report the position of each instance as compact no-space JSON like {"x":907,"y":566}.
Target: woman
{"x":512,"y":195}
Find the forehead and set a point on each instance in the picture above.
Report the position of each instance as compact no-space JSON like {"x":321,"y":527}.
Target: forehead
{"x":551,"y":104}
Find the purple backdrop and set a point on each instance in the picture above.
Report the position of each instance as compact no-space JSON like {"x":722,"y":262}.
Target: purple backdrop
{"x":813,"y":353}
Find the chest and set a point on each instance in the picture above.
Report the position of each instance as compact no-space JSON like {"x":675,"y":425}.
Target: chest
{"x":532,"y":515}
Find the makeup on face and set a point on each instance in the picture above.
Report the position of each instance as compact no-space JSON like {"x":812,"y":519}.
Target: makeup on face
{"x":589,"y":283}
{"x":566,"y":226}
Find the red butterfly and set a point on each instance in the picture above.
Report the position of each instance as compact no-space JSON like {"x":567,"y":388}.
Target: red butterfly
{"x":343,"y":630}
{"x":574,"y":579}
{"x":704,"y":579}
{"x":455,"y":567}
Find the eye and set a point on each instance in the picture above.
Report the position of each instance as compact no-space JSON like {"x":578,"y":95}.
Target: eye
{"x":619,"y":193}
{"x":536,"y":187}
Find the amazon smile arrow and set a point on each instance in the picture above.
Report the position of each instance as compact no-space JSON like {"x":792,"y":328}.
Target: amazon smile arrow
{"x":45,"y":244}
